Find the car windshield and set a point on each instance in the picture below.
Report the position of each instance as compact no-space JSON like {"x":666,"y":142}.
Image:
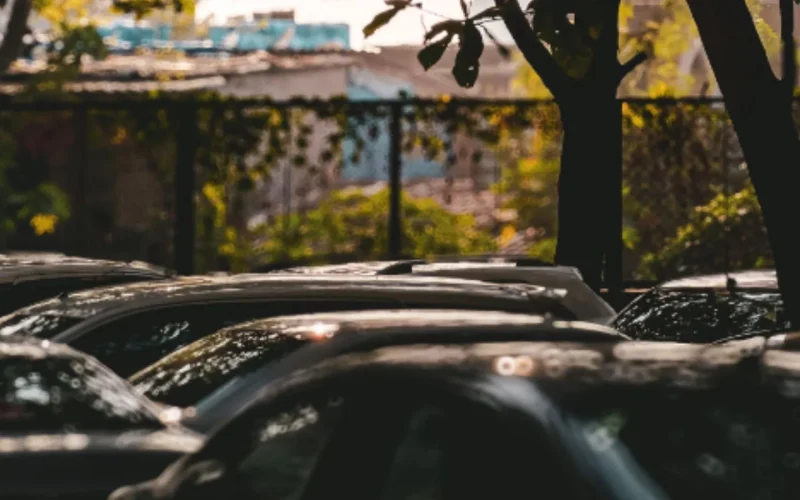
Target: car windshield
{"x":62,"y":394}
{"x":44,"y":325}
{"x":700,"y":315}
{"x":697,"y":446}
{"x":194,"y":372}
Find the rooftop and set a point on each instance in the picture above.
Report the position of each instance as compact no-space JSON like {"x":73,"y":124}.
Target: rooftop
{"x":175,"y":73}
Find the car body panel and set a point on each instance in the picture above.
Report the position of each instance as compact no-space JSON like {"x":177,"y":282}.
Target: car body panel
{"x":310,"y":340}
{"x":534,"y":390}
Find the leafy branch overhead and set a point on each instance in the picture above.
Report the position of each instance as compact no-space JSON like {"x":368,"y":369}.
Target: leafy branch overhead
{"x":559,"y":38}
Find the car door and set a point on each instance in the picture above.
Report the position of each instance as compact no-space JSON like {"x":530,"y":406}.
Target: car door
{"x":369,"y":438}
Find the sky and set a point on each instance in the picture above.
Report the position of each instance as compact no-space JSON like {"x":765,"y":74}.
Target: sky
{"x":406,"y":28}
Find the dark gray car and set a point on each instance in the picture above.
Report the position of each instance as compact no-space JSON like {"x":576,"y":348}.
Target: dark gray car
{"x":130,"y":327}
{"x":580,"y":421}
{"x":219,"y":374}
{"x":70,"y":428}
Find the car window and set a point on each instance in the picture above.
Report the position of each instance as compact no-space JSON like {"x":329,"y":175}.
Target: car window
{"x":269,"y":453}
{"x":191,"y":374}
{"x":416,"y":472}
{"x":288,"y":444}
{"x":63,"y":394}
{"x":195,"y":373}
{"x":699,"y":444}
{"x":133,"y":343}
{"x":700,"y":316}
{"x":468,"y":452}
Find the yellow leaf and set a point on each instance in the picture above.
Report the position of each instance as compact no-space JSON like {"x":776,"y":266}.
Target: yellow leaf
{"x":119,"y":136}
{"x":44,"y":223}
{"x":507,"y":233}
{"x":625,"y":13}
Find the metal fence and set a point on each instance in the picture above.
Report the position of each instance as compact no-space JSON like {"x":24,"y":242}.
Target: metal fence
{"x":208,"y":183}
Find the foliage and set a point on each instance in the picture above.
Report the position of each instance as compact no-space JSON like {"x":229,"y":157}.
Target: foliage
{"x":731,"y":222}
{"x":75,"y":43}
{"x":142,"y":8}
{"x":28,"y":200}
{"x":353,"y":223}
{"x":61,"y":12}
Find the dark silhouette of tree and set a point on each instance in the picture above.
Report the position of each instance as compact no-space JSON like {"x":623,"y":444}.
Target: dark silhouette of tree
{"x":760,"y":107}
{"x":573,"y":47}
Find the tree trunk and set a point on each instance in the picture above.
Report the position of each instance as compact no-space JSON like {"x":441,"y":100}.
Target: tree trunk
{"x":16,"y":28}
{"x":760,"y":107}
{"x":592,"y":150}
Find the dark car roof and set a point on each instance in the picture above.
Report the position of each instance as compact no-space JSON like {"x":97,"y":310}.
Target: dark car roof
{"x":27,"y":265}
{"x":763,"y":279}
{"x":575,"y":364}
{"x":408,"y":320}
{"x":141,"y":295}
{"x":400,"y":267}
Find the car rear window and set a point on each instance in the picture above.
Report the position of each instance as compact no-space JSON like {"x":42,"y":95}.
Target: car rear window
{"x":61,"y":394}
{"x":189,"y":375}
{"x":701,"y":316}
{"x":44,"y":325}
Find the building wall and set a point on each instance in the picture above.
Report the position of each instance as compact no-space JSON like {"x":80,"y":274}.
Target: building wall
{"x":373,"y":165}
{"x":321,"y":83}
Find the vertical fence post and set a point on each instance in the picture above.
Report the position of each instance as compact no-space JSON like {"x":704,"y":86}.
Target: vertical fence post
{"x":395,"y":184}
{"x":80,"y":152}
{"x":184,"y":231}
{"x":612,"y":274}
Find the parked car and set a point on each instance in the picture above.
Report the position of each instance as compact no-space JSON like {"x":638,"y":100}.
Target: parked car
{"x":70,"y":428}
{"x":132,"y":326}
{"x":580,"y":299}
{"x":706,"y":308}
{"x":27,"y":278}
{"x":620,"y":420}
{"x":219,"y":374}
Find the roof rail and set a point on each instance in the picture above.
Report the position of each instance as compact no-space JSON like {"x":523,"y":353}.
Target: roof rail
{"x":397,"y":268}
{"x":519,"y":260}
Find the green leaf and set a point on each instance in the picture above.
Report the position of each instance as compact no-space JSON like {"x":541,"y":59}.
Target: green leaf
{"x":433,"y":52}
{"x":467,"y":64}
{"x":380,"y":20}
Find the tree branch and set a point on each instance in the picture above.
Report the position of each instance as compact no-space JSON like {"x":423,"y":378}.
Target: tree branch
{"x":631,"y":64}
{"x":554,"y":78}
{"x":15,"y":29}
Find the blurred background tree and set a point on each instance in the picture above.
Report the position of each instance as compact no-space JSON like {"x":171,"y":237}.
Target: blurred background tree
{"x":355,"y":224}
